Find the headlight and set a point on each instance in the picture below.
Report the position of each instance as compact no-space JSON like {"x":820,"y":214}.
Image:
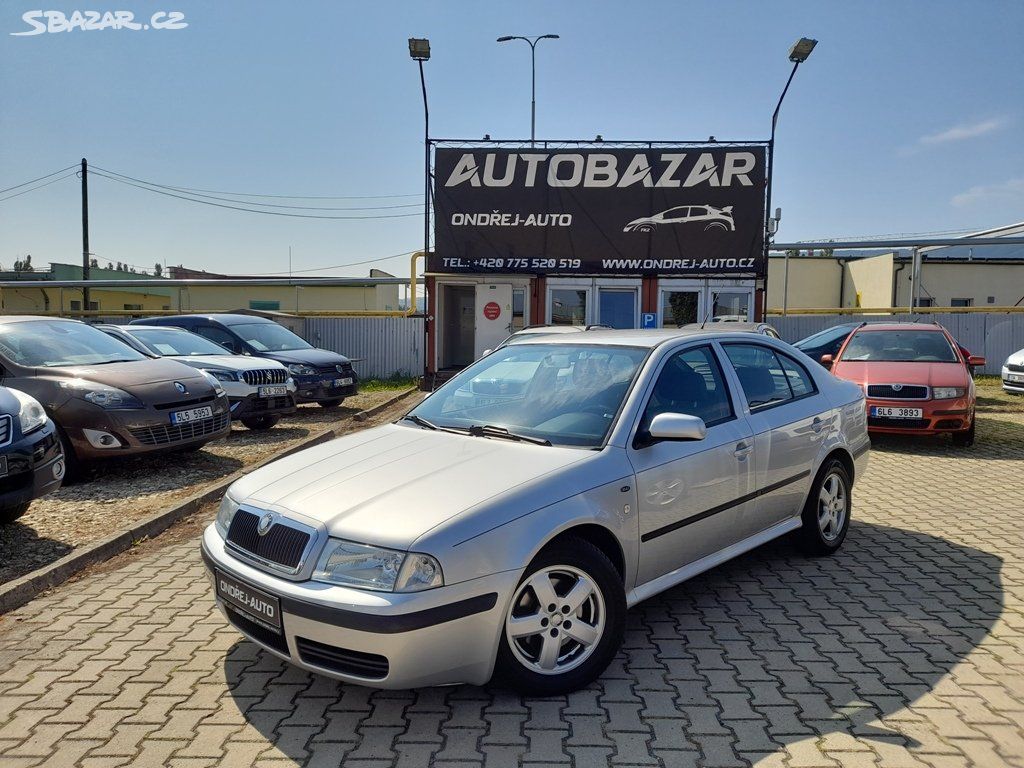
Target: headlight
{"x":101,"y":394}
{"x":365,"y":567}
{"x":218,"y":390}
{"x":301,"y":370}
{"x":31,"y":415}
{"x":221,"y":374}
{"x":228,"y":507}
{"x":948,"y":393}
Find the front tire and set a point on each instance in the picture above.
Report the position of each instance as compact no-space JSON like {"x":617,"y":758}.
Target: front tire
{"x":565,"y":621}
{"x":258,"y":423}
{"x":10,"y":514}
{"x":964,"y":439}
{"x":826,"y":515}
{"x":334,"y":401}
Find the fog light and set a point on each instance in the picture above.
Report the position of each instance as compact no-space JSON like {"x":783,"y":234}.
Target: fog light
{"x":99,"y":439}
{"x":58,"y":469}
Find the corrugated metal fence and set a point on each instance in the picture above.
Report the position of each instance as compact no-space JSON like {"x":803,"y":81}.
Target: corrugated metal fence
{"x":996,"y":336}
{"x":388,"y":346}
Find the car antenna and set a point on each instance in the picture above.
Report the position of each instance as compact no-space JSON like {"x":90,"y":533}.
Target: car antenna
{"x":705,"y":320}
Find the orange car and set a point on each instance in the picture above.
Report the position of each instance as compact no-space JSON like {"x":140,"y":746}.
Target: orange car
{"x":916,"y":377}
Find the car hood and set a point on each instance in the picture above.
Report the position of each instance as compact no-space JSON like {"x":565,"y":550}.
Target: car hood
{"x":924,"y":374}
{"x":313,"y":356}
{"x":128,"y":375}
{"x":1017,"y":358}
{"x":230,"y":362}
{"x":389,"y":485}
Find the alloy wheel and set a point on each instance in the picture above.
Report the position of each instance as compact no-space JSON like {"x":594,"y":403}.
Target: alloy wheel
{"x":556,"y":620}
{"x":832,"y":507}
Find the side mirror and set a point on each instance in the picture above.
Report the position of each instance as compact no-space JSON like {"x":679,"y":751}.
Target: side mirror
{"x":975,"y":361}
{"x":826,"y":360}
{"x":677,"y":426}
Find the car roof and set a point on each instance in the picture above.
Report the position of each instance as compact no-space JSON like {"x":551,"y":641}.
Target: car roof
{"x":542,"y":329}
{"x":645,"y":337}
{"x":29,"y":318}
{"x":901,"y":327}
{"x":732,"y":325}
{"x":140,"y":327}
{"x":222,"y":318}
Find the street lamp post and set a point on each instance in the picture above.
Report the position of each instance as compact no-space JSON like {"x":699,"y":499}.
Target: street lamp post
{"x":419,"y":51}
{"x":533,"y":76}
{"x":798,"y":55}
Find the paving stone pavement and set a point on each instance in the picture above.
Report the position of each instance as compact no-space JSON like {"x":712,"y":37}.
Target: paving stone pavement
{"x":906,"y":649}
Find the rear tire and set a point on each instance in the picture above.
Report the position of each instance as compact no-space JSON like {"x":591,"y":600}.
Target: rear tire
{"x":562,"y":635}
{"x":334,"y":401}
{"x":826,"y":515}
{"x":258,"y":423}
{"x":964,"y":439}
{"x":10,"y":514}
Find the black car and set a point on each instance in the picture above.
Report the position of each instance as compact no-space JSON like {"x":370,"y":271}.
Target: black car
{"x":826,"y":342}
{"x":31,"y":460}
{"x":321,"y":376}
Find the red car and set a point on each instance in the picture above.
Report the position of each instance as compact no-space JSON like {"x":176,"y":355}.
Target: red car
{"x":916,"y":377}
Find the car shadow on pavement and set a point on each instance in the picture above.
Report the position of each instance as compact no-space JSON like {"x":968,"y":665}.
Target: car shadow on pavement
{"x":996,"y":439}
{"x":22,"y":550}
{"x":769,"y":649}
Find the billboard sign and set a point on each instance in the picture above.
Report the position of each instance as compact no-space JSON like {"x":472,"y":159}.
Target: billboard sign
{"x":665,"y":211}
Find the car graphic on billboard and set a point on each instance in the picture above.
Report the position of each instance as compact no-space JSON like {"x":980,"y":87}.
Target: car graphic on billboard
{"x":713,"y":218}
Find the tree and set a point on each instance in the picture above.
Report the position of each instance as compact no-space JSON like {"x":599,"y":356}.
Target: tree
{"x":792,"y":253}
{"x":109,"y":265}
{"x":94,"y":263}
{"x":24,"y":266}
{"x":158,"y":269}
{"x":828,"y":253}
{"x":120,"y":267}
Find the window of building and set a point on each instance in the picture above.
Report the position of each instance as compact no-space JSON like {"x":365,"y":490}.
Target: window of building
{"x":731,"y":306}
{"x":76,"y":305}
{"x":961,"y":302}
{"x":926,"y":301}
{"x":568,"y":306}
{"x":679,"y":308}
{"x":990,"y":300}
{"x":617,"y":307}
{"x":266,"y":306}
{"x":518,"y":309}
{"x":133,"y":307}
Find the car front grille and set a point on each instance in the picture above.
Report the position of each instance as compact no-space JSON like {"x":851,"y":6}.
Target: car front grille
{"x":342,"y":660}
{"x":185,"y":403}
{"x":342,"y":369}
{"x":257,"y":632}
{"x":6,"y":429}
{"x":265,"y":376}
{"x":905,"y":391}
{"x":281,"y":544}
{"x":881,"y":421}
{"x":168,"y":434}
{"x":1015,"y":367}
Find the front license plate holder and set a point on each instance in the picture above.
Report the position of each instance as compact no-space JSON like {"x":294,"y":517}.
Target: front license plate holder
{"x":192,"y":414}
{"x":252,"y":602}
{"x":896,"y":412}
{"x":273,"y":391}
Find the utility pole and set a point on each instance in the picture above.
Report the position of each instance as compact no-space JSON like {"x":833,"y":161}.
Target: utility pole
{"x":85,"y":232}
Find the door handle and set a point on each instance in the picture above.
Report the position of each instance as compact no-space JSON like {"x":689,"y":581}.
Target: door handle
{"x":817,"y":424}
{"x":743,"y":449}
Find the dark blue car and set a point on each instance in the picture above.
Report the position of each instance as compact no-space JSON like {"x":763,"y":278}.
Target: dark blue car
{"x":31,"y":460}
{"x":321,"y":376}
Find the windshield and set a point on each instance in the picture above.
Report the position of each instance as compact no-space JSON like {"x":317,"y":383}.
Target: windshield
{"x":269,"y":337}
{"x":908,"y":346}
{"x":50,"y":343}
{"x":567,"y":394}
{"x":168,"y":341}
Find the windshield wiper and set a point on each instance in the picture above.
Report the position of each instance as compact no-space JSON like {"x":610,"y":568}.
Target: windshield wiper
{"x":420,"y":421}
{"x":490,"y":430}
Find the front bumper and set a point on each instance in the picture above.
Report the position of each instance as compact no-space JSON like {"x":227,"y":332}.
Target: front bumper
{"x":320,"y":387}
{"x":141,"y":430}
{"x":35,"y":467}
{"x":441,"y":636}
{"x":254,"y":405}
{"x":938,"y":417}
{"x":1013,"y":385}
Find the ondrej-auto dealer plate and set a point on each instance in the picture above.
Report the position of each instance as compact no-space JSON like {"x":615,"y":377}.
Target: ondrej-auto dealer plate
{"x":253,"y":603}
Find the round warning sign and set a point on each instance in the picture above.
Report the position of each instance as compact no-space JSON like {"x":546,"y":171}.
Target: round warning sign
{"x":492,"y":311}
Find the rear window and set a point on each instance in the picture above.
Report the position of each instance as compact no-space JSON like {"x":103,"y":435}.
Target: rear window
{"x":899,"y":346}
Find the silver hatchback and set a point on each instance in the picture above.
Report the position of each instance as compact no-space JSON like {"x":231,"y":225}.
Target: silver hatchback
{"x":506,"y":529}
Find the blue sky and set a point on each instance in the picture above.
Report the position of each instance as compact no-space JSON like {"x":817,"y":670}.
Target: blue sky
{"x":909,"y":116}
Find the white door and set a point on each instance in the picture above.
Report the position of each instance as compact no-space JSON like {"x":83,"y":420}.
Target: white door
{"x":493,"y":315}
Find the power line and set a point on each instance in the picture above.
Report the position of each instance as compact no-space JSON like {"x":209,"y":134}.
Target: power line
{"x":250,"y":210}
{"x":26,"y":183}
{"x":342,"y":266}
{"x":40,"y":186}
{"x":262,"y":205}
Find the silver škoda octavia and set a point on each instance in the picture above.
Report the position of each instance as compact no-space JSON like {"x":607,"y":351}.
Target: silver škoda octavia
{"x":506,"y":524}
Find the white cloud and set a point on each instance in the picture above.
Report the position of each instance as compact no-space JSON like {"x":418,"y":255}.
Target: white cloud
{"x":1009,"y":189}
{"x":963,"y":131}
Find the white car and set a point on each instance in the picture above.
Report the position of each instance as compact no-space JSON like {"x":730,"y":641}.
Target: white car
{"x":260,"y":391}
{"x":713,"y":218}
{"x":1013,"y":373}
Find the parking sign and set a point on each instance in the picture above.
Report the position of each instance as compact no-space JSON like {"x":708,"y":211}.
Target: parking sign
{"x":648,"y":320}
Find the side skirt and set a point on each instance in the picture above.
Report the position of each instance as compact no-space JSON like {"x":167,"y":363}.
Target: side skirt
{"x":649,"y":589}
